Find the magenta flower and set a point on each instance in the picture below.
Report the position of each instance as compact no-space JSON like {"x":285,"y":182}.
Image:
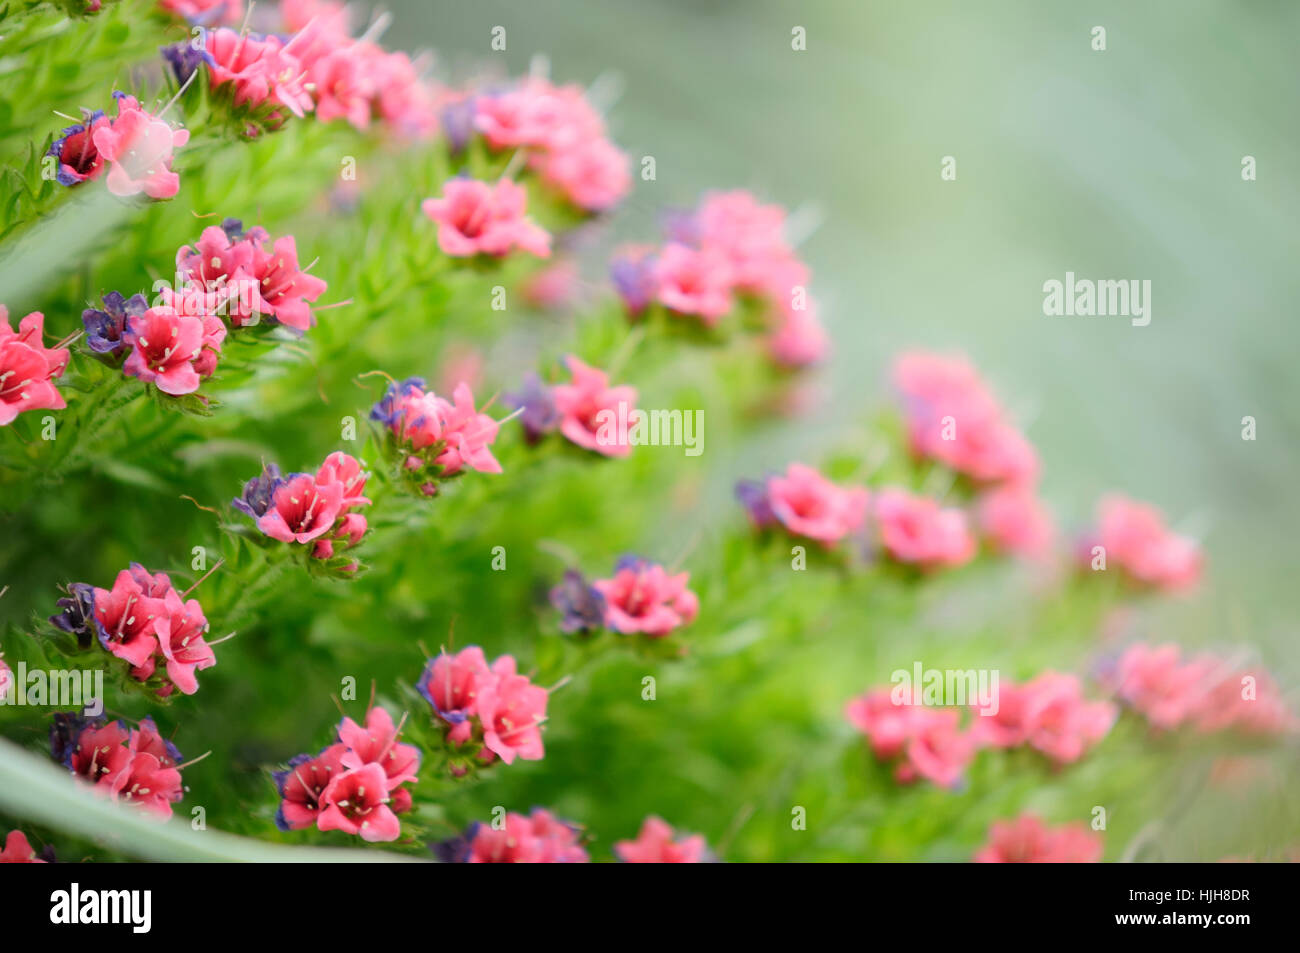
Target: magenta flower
{"x":180,"y":641}
{"x":657,"y":843}
{"x":580,"y":405}
{"x":748,"y":234}
{"x":376,"y":743}
{"x":1027,"y":840}
{"x":937,"y":749}
{"x":126,"y":618}
{"x":221,"y":268}
{"x":262,"y":73}
{"x":451,"y":684}
{"x":537,"y":839}
{"x":475,"y":218}
{"x":98,"y":752}
{"x":1060,"y":722}
{"x":302,"y":785}
{"x":148,"y":784}
{"x":592,"y":174}
{"x":916,"y":530}
{"x":1013,"y":519}
{"x":28,"y":368}
{"x":345,"y":470}
{"x":170,"y":350}
{"x":886,"y":724}
{"x":136,"y":767}
{"x":450,"y":435}
{"x":284,"y":288}
{"x":356,"y":802}
{"x":537,"y":115}
{"x":302,"y":509}
{"x":807,"y":504}
{"x":138,"y":147}
{"x":644,"y":597}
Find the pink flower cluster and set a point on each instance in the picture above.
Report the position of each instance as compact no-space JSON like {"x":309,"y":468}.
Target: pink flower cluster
{"x":586,"y":410}
{"x":17,"y":850}
{"x":657,"y":843}
{"x":911,"y":529}
{"x":434,"y":438}
{"x":303,"y":508}
{"x":954,"y":419}
{"x":245,"y":276}
{"x":539,"y":838}
{"x":174,"y":352}
{"x":28,"y":368}
{"x":319,"y":68}
{"x":730,"y":248}
{"x":487,"y":712}
{"x":1205,"y":693}
{"x":1048,"y":713}
{"x":644,"y":597}
{"x":135,"y":146}
{"x":356,"y":785}
{"x":134,"y":766}
{"x":1027,"y":840}
{"x":1134,"y":538}
{"x":477,"y":218}
{"x":144,"y":622}
{"x":564,"y":139}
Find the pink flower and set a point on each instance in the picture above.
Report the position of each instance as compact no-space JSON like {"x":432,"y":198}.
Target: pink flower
{"x":1027,"y":840}
{"x":302,"y":785}
{"x":1060,"y":723}
{"x":953,"y":418}
{"x":377,"y":743}
{"x":1014,"y":520}
{"x":205,"y":11}
{"x":6,"y":678}
{"x":1136,"y":539}
{"x":181,"y":643}
{"x":592,"y":174}
{"x":18,"y":851}
{"x":262,"y":72}
{"x":356,"y":802}
{"x":511,"y":710}
{"x":168,"y":349}
{"x":580,"y":405}
{"x":148,"y":784}
{"x":467,"y":434}
{"x":887,"y":725}
{"x":936,"y":748}
{"x":302,"y":509}
{"x":747,"y":233}
{"x":138,"y":148}
{"x":28,"y":368}
{"x":693,"y":281}
{"x":539,"y":839}
{"x":799,"y":338}
{"x":643,"y":597}
{"x":656,"y":844}
{"x":539,"y":115}
{"x":127,"y":619}
{"x":99,"y":753}
{"x":345,"y":470}
{"x":344,"y":86}
{"x":451,"y":685}
{"x":807,"y":504}
{"x":284,"y":288}
{"x":453,"y":433}
{"x":914,"y":529}
{"x":476,"y":218}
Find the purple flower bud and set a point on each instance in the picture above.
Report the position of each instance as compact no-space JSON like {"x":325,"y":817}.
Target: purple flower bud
{"x":540,"y":415}
{"x":633,"y":275}
{"x":77,"y":613}
{"x":581,"y":605}
{"x":457,"y":121}
{"x":104,"y":328}
{"x":256,"y":498}
{"x":752,"y":495}
{"x":184,"y":59}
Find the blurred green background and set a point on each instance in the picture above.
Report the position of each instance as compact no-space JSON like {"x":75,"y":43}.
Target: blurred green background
{"x":1117,"y":164}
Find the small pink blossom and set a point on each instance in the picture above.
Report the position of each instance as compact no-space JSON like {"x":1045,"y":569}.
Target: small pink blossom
{"x":592,"y":174}
{"x":657,"y":843}
{"x":916,"y":530}
{"x":799,"y":338}
{"x":1013,"y":519}
{"x":357,"y":802}
{"x":138,"y":147}
{"x":376,"y":743}
{"x":168,"y":349}
{"x":580,"y":405}
{"x":644,"y":597}
{"x":207,"y":12}
{"x":1027,"y":840}
{"x":18,"y":851}
{"x":936,"y":749}
{"x":262,"y":71}
{"x":28,"y":368}
{"x":693,"y":281}
{"x":807,"y":504}
{"x":477,"y":218}
{"x":302,"y":784}
{"x":302,"y":509}
{"x":538,"y":839}
{"x":511,"y":710}
{"x":1136,"y":540}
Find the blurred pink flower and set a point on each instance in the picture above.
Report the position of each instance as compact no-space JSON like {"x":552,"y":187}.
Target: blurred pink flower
{"x":1027,"y":840}
{"x":644,"y":597}
{"x":1136,"y":540}
{"x":138,"y":147}
{"x":807,"y":504}
{"x":1013,"y":519}
{"x":28,"y":368}
{"x":581,"y":402}
{"x":657,"y":843}
{"x":693,"y":281}
{"x":475,"y":218}
{"x":915,"y":529}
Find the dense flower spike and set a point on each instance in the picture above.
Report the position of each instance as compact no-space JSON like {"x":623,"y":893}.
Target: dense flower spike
{"x":303,"y":509}
{"x":261,"y":73}
{"x":475,"y":218}
{"x":138,"y":148}
{"x":539,"y":838}
{"x":643,"y":597}
{"x":28,"y":368}
{"x":953,"y":418}
{"x":730,"y":250}
{"x":486,"y":712}
{"x":1134,"y":539}
{"x":135,"y":766}
{"x":657,"y":843}
{"x":586,"y":402}
{"x":145,"y":622}
{"x":1205,"y":692}
{"x":355,"y":785}
{"x":432,"y":438}
{"x":1027,"y":840}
